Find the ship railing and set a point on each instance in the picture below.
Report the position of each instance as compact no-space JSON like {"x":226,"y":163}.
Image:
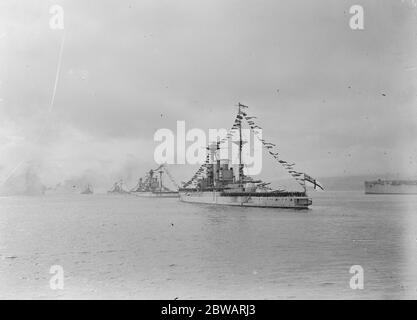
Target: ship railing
{"x":267,"y":194}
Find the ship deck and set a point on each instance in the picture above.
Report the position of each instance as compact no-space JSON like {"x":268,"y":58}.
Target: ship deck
{"x":264,"y":194}
{"x":224,"y":193}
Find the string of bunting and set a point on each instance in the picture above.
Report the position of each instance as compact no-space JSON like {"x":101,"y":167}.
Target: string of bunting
{"x":202,"y":168}
{"x":300,"y":177}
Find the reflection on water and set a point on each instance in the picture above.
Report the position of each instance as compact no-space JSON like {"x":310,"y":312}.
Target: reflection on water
{"x":129,"y":247}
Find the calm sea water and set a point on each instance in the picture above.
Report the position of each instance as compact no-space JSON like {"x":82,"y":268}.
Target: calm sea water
{"x":136,"y":248}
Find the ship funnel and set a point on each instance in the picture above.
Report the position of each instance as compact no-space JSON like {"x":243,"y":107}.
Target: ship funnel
{"x":224,"y":164}
{"x":213,"y":146}
{"x":213,"y":149}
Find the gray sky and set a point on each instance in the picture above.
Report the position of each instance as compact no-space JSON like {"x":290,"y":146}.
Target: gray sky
{"x":336,"y":101}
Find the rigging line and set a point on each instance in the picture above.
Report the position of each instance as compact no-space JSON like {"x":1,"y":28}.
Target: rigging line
{"x":51,"y":105}
{"x":263,"y":143}
{"x":58,"y":71}
{"x":13,"y":171}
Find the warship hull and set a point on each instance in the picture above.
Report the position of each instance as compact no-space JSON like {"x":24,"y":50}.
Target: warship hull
{"x":149,"y":194}
{"x":253,"y":199}
{"x":391,"y":187}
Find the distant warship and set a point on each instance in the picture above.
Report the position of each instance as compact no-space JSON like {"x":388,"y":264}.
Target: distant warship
{"x":87,"y":190}
{"x":391,"y":187}
{"x":118,"y":188}
{"x":152,"y":185}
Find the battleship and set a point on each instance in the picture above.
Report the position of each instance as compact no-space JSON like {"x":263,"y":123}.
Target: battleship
{"x":66,"y":187}
{"x":391,"y":187}
{"x":152,"y":185}
{"x":215,"y":182}
{"x":87,"y":190}
{"x":118,"y":188}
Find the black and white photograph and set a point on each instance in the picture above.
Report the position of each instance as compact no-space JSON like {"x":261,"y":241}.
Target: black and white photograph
{"x":209,"y":150}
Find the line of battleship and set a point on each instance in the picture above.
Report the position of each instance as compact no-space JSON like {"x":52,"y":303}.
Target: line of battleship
{"x":391,"y":187}
{"x":217,"y":183}
{"x":118,"y":188}
{"x":152,"y":185}
{"x":88,"y":190}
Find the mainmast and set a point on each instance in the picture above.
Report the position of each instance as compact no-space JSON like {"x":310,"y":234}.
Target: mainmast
{"x":160,"y":180}
{"x":240,"y":147}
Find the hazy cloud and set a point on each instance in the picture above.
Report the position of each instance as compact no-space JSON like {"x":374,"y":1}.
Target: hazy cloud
{"x":336,"y":101}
